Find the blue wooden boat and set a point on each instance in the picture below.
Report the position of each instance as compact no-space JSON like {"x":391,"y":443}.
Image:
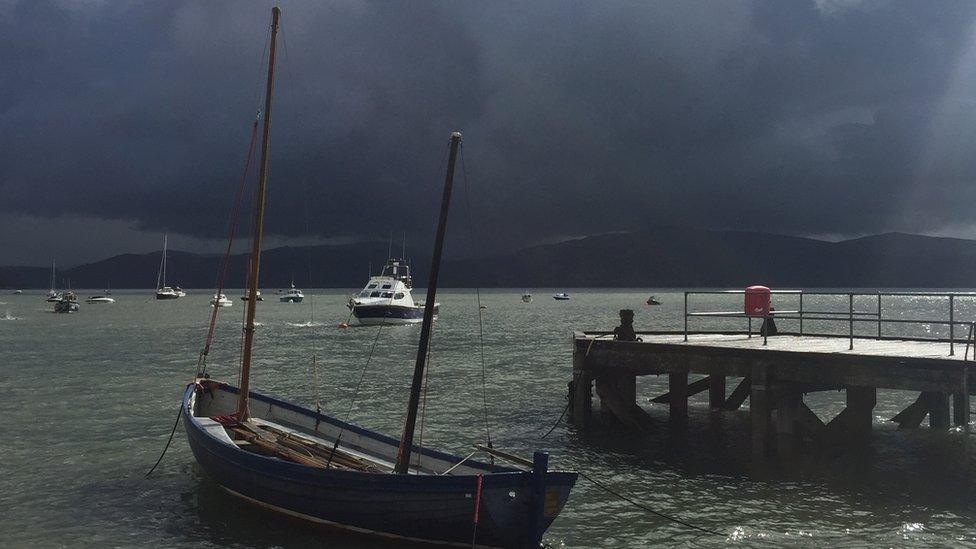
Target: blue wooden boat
{"x":435,"y":502}
{"x":308,"y":465}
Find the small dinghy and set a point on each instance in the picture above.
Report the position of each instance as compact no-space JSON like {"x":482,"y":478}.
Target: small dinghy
{"x":652,"y":301}
{"x":308,"y":465}
{"x":97,"y":299}
{"x":526,"y":298}
{"x":561,"y":297}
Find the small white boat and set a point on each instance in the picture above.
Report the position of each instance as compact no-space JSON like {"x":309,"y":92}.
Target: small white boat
{"x":220,"y":300}
{"x":292,"y":295}
{"x":95,"y":299}
{"x":53,"y":296}
{"x":162,"y":290}
{"x":526,"y":298}
{"x":17,"y":292}
{"x":245,"y":297}
{"x":562,"y":296}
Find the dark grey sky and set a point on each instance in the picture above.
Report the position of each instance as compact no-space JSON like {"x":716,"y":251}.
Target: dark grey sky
{"x":829,"y":118}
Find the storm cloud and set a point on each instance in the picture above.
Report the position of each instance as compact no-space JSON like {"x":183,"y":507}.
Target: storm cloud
{"x":811,"y":118}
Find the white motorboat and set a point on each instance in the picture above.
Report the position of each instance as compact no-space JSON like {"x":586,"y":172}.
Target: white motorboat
{"x":562,"y":296}
{"x":291,"y":295}
{"x":96,"y":299}
{"x":162,"y":290}
{"x":386,"y":298}
{"x":220,"y":300}
{"x":526,"y":298}
{"x":17,"y":292}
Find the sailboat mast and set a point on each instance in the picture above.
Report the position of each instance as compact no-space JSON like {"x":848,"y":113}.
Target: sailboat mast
{"x":406,"y":440}
{"x":252,"y":279}
{"x":54,"y":270}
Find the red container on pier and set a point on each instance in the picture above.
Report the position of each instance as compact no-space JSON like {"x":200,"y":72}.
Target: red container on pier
{"x":757,"y":302}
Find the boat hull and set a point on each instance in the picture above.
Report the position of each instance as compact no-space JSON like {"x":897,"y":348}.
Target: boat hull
{"x":389,"y":314}
{"x":291,"y":299}
{"x":66,"y":307}
{"x":167,"y":296}
{"x":420,"y":507}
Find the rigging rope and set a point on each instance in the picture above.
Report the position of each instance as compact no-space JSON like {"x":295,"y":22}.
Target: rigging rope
{"x":355,"y":394}
{"x":481,"y":323}
{"x":222,"y":273}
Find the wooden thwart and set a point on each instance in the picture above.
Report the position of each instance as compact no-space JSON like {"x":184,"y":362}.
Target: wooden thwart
{"x":288,"y":446}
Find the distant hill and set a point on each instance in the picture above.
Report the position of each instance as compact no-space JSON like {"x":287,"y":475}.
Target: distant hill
{"x":663,"y":257}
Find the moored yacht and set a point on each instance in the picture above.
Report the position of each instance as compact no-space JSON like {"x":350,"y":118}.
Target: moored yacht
{"x":67,"y":303}
{"x":526,"y":298}
{"x":560,"y":296}
{"x":291,"y":295}
{"x":96,"y":299}
{"x":162,"y":290}
{"x":386,"y":298}
{"x":220,"y":300}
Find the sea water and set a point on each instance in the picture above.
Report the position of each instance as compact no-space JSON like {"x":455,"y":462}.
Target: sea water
{"x":88,"y":400}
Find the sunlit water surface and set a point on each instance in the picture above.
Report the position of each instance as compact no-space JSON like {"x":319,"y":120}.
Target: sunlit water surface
{"x":88,"y":400}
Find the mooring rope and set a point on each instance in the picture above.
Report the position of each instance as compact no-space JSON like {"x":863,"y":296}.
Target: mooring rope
{"x":355,"y":394}
{"x":179,"y":414}
{"x":640,"y":505}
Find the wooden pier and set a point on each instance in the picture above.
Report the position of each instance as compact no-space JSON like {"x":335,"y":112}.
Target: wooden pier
{"x":774,"y":374}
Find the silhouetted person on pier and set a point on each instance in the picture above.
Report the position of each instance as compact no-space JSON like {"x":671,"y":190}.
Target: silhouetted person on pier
{"x":625,"y":332}
{"x":769,"y":325}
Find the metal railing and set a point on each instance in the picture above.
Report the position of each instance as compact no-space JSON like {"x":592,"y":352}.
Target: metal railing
{"x":851,"y":316}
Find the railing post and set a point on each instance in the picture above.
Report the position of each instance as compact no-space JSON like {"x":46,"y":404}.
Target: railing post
{"x":750,"y":327}
{"x":686,"y":316}
{"x":952,"y":326}
{"x":879,"y":315}
{"x":850,"y":318}
{"x":801,"y":312}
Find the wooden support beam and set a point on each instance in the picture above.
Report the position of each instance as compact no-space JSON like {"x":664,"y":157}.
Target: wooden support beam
{"x":760,"y":412}
{"x":912,"y":416}
{"x":960,"y":409}
{"x":787,"y":412}
{"x":716,"y":391}
{"x":935,"y":404}
{"x":693,"y":389}
{"x":809,"y":423}
{"x":861,"y":402}
{"x":580,"y":391}
{"x":739,"y":394}
{"x":939,"y":412}
{"x":619,"y":407}
{"x":678,"y":389}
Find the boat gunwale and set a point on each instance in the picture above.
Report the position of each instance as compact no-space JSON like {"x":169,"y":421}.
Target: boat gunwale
{"x":497,"y":472}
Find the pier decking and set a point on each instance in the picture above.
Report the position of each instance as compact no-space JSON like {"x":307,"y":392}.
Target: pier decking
{"x":775,"y":373}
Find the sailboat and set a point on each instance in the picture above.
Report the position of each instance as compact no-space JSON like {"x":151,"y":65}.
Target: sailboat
{"x":162,"y":290}
{"x":308,"y":465}
{"x":53,"y":296}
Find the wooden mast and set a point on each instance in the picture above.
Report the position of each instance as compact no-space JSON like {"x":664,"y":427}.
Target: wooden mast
{"x":252,"y":279}
{"x":406,"y":440}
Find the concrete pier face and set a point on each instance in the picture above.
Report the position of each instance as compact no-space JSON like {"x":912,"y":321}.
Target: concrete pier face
{"x":773,"y":378}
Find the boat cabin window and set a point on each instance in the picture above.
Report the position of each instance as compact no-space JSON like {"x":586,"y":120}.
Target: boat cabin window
{"x":387,"y":294}
{"x":364,"y":294}
{"x":371,"y":286}
{"x":398,"y":295}
{"x":374,"y":294}
{"x":386,"y":286}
